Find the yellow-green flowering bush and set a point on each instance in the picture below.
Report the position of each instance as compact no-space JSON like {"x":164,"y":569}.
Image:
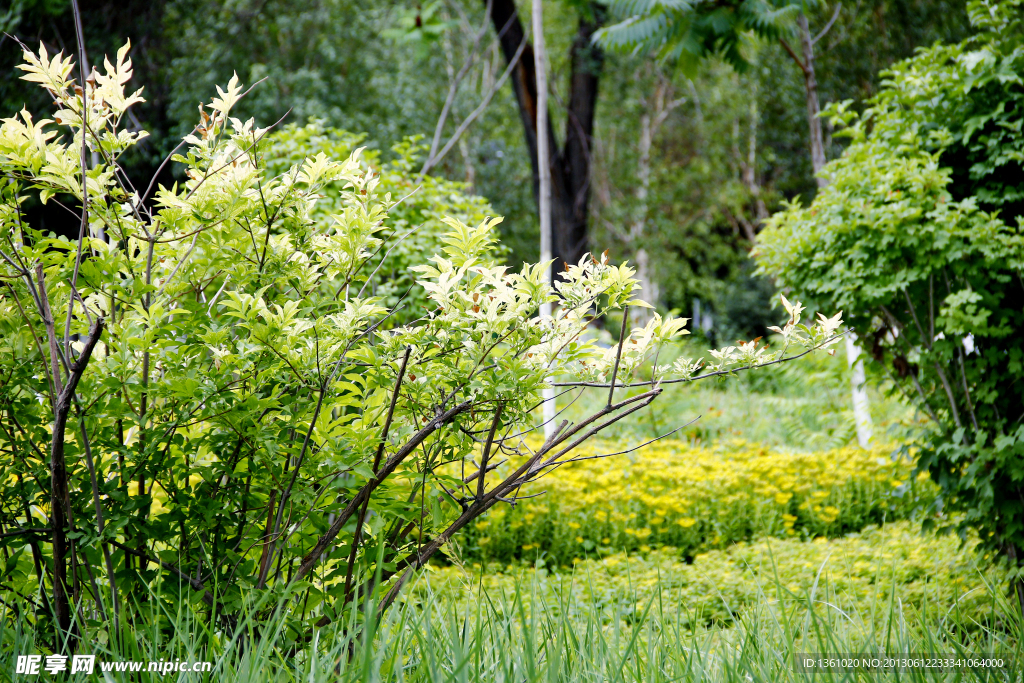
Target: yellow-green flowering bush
{"x":931,"y":577}
{"x":670,"y":494}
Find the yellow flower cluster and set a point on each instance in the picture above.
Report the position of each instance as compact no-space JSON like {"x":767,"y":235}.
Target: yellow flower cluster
{"x":671,"y":494}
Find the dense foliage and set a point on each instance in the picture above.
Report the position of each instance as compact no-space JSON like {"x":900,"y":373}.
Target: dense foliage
{"x":417,"y":221}
{"x":207,"y":387}
{"x":918,"y":238}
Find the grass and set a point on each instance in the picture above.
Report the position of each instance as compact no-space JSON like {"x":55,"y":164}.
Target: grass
{"x":639,"y":620}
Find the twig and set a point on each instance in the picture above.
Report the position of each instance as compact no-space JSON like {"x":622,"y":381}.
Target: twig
{"x":468,"y":121}
{"x":487,"y":450}
{"x":21,"y":532}
{"x":389,"y":466}
{"x":618,"y":354}
{"x":628,"y":450}
{"x":828,"y":26}
{"x":454,"y":86}
{"x":376,"y":465}
{"x":719,"y":373}
{"x":82,"y":62}
{"x":196,"y":584}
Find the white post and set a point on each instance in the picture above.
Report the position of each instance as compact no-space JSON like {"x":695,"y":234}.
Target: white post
{"x":544,"y":190}
{"x":861,"y":415}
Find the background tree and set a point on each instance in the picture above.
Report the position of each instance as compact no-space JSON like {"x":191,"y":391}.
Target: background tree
{"x":918,"y":236}
{"x":571,"y":161}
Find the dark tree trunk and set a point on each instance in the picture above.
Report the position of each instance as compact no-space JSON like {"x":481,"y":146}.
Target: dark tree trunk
{"x":570,"y":164}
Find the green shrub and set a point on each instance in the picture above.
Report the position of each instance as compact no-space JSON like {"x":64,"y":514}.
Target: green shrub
{"x":416,"y":222}
{"x":918,"y":238}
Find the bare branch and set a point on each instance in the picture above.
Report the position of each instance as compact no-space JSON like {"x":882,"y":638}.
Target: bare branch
{"x":376,"y":465}
{"x":468,"y":121}
{"x":719,"y":373}
{"x":487,"y":450}
{"x":828,"y":26}
{"x":793,"y":55}
{"x":454,"y":86}
{"x":392,"y":463}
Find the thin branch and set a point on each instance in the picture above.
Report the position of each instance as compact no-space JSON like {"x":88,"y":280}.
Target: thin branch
{"x":628,"y":450}
{"x":468,"y":121}
{"x":196,"y":584}
{"x":967,"y":391}
{"x":487,"y":450}
{"x":39,"y":347}
{"x":719,"y":373}
{"x":949,"y":395}
{"x":389,"y":466}
{"x":454,"y":86}
{"x":917,"y":323}
{"x":793,"y":55}
{"x":376,"y":465}
{"x":82,"y":63}
{"x":618,"y":353}
{"x":22,"y":532}
{"x":50,"y":333}
{"x":828,"y":26}
{"x":388,"y":252}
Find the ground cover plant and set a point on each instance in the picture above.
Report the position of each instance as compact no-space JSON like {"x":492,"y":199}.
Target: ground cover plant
{"x":204,"y":386}
{"x":931,"y":576}
{"x":694,"y":499}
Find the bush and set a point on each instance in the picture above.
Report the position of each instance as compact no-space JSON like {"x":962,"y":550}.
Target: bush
{"x":918,"y":237}
{"x":416,"y":224}
{"x":203,"y":393}
{"x":694,"y":499}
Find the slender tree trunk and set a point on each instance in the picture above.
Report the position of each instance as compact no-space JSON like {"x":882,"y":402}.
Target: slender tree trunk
{"x":813,"y":108}
{"x":544,"y":185}
{"x":570,"y":165}
{"x":655,"y":112}
{"x":858,"y":392}
{"x":59,"y":496}
{"x":572,"y":194}
{"x":60,"y":499}
{"x":648,"y":289}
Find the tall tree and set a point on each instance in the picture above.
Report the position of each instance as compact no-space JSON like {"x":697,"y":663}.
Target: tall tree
{"x":695,"y":33}
{"x":805,"y":61}
{"x":570,"y":163}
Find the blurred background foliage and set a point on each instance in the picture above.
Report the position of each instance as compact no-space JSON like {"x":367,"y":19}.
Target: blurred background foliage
{"x":725,"y":148}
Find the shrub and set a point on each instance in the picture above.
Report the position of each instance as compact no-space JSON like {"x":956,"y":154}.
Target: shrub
{"x":416,"y":224}
{"x":201,"y":393}
{"x":694,"y":499}
{"x":918,"y":238}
